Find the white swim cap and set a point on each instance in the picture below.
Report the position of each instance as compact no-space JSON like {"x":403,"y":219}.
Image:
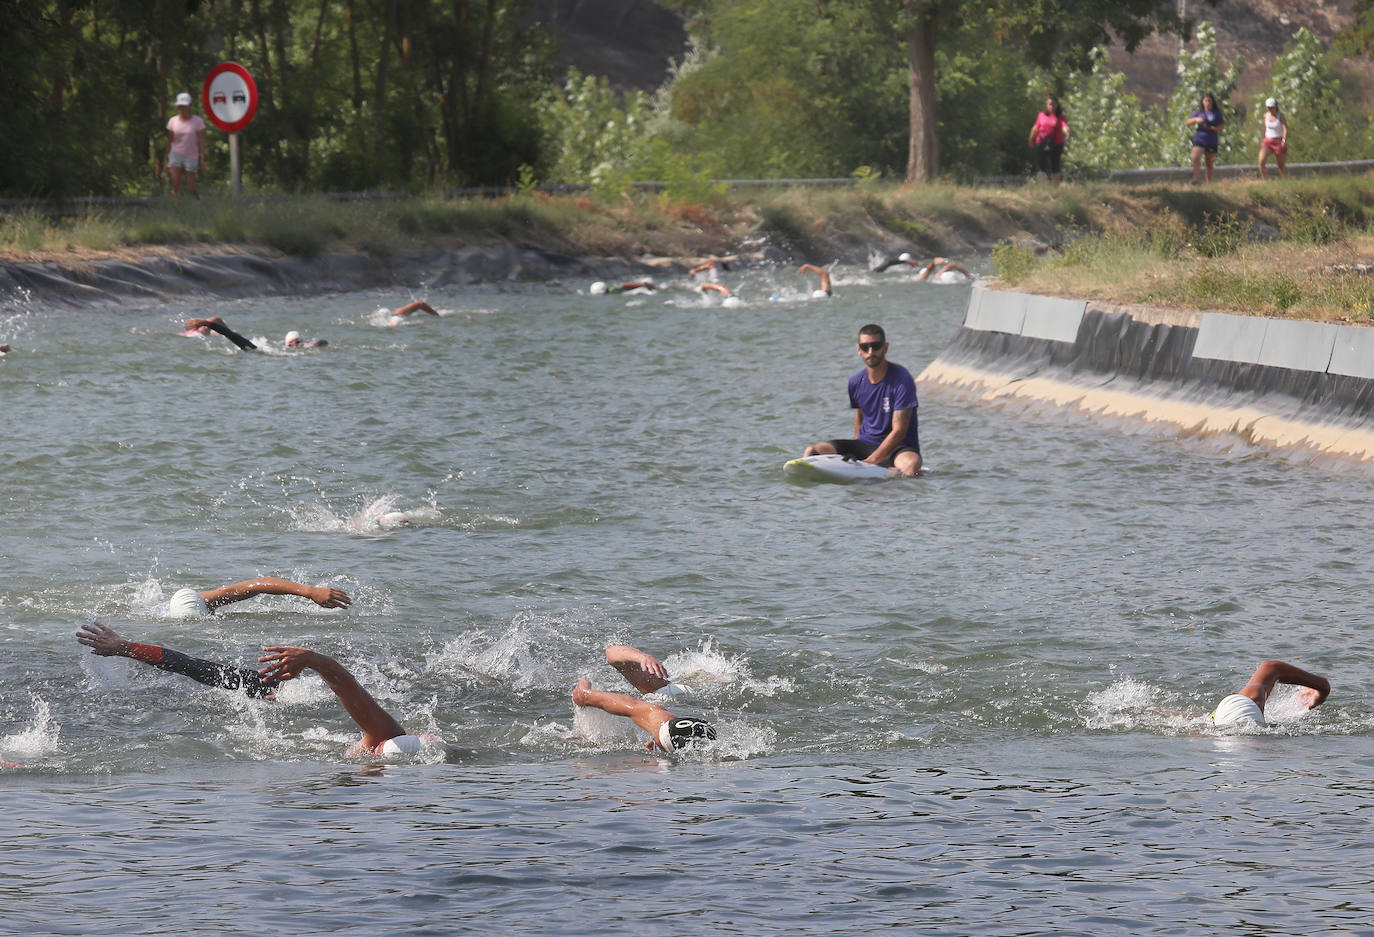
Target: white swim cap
{"x":672,"y":689}
{"x":186,"y":603}
{"x":292,"y":336}
{"x":598,"y":288}
{"x":903,"y":256}
{"x":183,"y":100}
{"x":1237,"y":710}
{"x":819,"y":294}
{"x":401,"y":745}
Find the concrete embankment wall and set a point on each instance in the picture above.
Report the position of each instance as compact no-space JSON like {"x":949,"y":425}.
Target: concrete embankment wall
{"x":1304,"y":386}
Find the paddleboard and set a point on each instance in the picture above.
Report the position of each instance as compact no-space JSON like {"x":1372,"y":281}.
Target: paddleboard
{"x":832,"y":468}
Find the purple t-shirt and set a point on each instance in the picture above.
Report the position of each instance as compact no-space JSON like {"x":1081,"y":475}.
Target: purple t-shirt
{"x":877,"y":402}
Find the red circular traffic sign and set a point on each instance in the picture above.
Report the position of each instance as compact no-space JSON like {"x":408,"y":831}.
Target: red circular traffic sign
{"x":229,"y":97}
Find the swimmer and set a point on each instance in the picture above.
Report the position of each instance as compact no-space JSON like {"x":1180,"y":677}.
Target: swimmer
{"x":4,"y":350}
{"x":418,"y":306}
{"x":1247,"y":703}
{"x":824,"y":291}
{"x":667,"y":732}
{"x":188,"y":603}
{"x":949,"y":272}
{"x":382,"y":734}
{"x":902,"y":258}
{"x":600,"y":289}
{"x":720,"y":288}
{"x":194,"y":327}
{"x":293,"y":340}
{"x":712,"y":268}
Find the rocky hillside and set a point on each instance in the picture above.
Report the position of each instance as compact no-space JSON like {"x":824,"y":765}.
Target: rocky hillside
{"x":631,"y":41}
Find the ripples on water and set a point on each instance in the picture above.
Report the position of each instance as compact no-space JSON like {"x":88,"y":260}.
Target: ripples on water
{"x":971,"y":703}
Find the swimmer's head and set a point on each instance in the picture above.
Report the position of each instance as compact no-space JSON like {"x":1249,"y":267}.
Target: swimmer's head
{"x":292,"y":340}
{"x":820,"y":294}
{"x":904,"y":257}
{"x":679,"y":733}
{"x":401,"y":745}
{"x":1237,"y":710}
{"x":186,"y":603}
{"x":598,"y":288}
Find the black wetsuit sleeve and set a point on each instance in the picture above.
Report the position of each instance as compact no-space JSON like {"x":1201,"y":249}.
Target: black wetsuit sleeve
{"x":233,"y":336}
{"x":216,"y":675}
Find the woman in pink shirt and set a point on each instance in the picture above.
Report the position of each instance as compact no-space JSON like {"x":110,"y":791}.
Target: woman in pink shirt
{"x":1048,"y":135}
{"x":185,"y":146}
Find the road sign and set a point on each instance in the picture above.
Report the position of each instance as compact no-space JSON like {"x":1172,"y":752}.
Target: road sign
{"x":229,"y":96}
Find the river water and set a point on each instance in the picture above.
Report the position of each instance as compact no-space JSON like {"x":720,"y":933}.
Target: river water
{"x":971,"y":703}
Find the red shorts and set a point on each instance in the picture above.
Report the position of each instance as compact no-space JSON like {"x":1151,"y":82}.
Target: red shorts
{"x":1274,"y":145}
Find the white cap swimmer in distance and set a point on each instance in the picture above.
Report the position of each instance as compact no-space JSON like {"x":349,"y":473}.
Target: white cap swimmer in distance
{"x":292,"y":338}
{"x":903,"y":257}
{"x":1237,"y":710}
{"x":184,"y":603}
{"x":598,"y":288}
{"x":401,"y":745}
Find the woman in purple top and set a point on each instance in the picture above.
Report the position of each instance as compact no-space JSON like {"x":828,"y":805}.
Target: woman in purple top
{"x":1209,"y":123}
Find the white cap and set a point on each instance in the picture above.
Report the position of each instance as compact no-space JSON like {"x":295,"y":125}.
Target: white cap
{"x":1237,"y":710}
{"x":401,"y":745}
{"x":183,"y":100}
{"x":903,"y":257}
{"x":1270,"y":102}
{"x":187,"y":603}
{"x":291,"y":336}
{"x":598,"y":288}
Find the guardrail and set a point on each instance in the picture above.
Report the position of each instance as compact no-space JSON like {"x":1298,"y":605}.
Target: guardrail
{"x":96,"y":203}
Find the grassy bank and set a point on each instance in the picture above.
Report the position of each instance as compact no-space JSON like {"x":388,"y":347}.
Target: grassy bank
{"x":1292,"y":248}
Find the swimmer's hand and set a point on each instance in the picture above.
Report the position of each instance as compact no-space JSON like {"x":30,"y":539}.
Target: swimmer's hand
{"x":329,"y":597}
{"x":286,"y":662}
{"x":102,"y":641}
{"x":1312,"y":698}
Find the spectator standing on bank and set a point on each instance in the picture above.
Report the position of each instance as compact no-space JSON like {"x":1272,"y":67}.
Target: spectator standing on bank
{"x":185,"y":146}
{"x":1048,"y":135}
{"x":1209,"y":123}
{"x":1275,"y":139}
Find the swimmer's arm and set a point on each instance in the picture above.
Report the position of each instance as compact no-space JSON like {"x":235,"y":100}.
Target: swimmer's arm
{"x":901,"y":419}
{"x":715,"y":288}
{"x":646,"y":715}
{"x":1271,"y":672}
{"x":217,"y":325}
{"x":105,"y":642}
{"x":287,"y":663}
{"x":323,"y":596}
{"x":644,"y":671}
{"x":418,"y":306}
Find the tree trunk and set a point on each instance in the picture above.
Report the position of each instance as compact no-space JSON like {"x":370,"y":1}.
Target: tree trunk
{"x":923,"y":144}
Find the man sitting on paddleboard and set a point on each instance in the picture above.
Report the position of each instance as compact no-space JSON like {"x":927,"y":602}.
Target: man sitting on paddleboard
{"x":883,"y":395}
{"x":382,"y":734}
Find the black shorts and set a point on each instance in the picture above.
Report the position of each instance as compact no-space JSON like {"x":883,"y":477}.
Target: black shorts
{"x":858,"y":451}
{"x":1209,"y":149}
{"x":1047,"y":156}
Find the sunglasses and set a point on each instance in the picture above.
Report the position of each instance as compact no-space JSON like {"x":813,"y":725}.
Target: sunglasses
{"x":871,"y":346}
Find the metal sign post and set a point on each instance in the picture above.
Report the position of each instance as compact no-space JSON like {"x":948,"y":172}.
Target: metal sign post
{"x":230,"y":99}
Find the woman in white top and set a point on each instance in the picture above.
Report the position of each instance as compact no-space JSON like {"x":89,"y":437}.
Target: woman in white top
{"x":1275,"y":139}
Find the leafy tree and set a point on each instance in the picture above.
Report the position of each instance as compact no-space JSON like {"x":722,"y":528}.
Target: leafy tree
{"x":1050,"y":33}
{"x":1110,"y":128}
{"x":1307,"y":84}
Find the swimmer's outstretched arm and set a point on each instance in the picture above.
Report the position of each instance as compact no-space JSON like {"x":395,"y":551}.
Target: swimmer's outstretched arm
{"x":643,"y":671}
{"x":824,"y":275}
{"x":105,"y":642}
{"x":216,"y":324}
{"x":646,"y":715}
{"x":288,"y":663}
{"x":418,"y":306}
{"x":1270,"y":672}
{"x":323,"y":596}
{"x":715,"y":288}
